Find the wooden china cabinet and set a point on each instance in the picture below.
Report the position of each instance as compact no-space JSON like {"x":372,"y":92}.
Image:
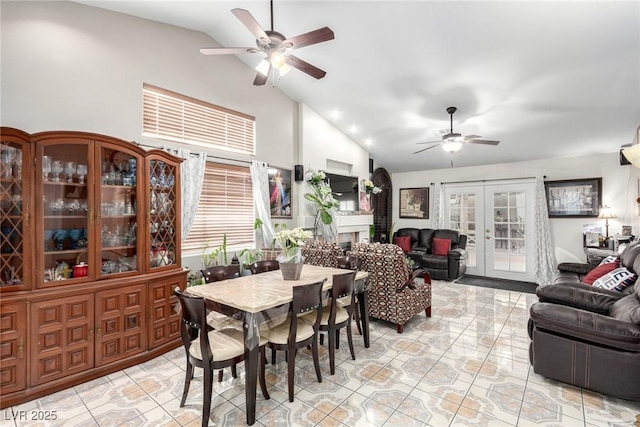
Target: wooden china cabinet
{"x":89,"y":258}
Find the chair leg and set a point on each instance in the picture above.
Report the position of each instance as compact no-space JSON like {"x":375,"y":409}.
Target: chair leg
{"x":332,"y":351}
{"x":350,"y":340}
{"x":316,"y":360}
{"x":291,"y":365}
{"x":321,"y":338}
{"x":427,"y":311}
{"x":337,"y":338}
{"x":263,"y":382}
{"x":356,"y":312}
{"x":399,"y":328}
{"x":187,"y":382}
{"x":206,"y":398}
{"x":273,"y":356}
{"x":220,"y":375}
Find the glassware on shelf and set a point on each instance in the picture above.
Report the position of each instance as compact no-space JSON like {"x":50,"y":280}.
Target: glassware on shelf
{"x":70,"y":170}
{"x":6,"y":160}
{"x":46,"y":167}
{"x":60,"y":236}
{"x":57,"y":167}
{"x":17,"y":165}
{"x":48,"y":239}
{"x":82,"y":172}
{"x":74,"y":236}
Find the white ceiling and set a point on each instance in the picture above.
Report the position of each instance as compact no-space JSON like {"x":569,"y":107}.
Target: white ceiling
{"x":547,"y":79}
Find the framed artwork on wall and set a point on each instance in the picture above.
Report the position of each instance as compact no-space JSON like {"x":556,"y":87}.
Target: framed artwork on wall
{"x":280,"y":192}
{"x":414,"y":203}
{"x":574,"y":198}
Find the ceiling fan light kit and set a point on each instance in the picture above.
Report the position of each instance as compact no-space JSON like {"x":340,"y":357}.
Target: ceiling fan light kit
{"x":276,"y":47}
{"x":453,"y":141}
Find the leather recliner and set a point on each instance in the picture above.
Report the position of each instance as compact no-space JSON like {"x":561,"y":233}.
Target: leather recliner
{"x":588,"y":337}
{"x":440,"y":267}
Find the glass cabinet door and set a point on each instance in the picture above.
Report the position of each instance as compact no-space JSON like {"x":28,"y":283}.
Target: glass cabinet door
{"x":13,"y":200}
{"x":162,"y":214}
{"x":66,"y":208}
{"x":118,"y":225}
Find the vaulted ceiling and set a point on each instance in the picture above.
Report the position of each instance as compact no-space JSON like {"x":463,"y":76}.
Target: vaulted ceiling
{"x":547,"y":79}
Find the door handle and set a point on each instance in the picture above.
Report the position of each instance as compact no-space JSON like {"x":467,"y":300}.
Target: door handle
{"x":488,"y":237}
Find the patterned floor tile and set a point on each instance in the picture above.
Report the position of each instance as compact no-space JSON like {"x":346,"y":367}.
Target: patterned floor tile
{"x":491,"y":403}
{"x":358,"y":410}
{"x":430,"y":409}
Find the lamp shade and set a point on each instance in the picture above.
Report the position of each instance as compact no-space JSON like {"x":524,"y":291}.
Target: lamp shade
{"x":606,"y":213}
{"x":451,"y":146}
{"x":633,"y":153}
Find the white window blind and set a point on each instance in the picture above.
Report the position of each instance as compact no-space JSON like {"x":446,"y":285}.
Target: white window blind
{"x":226,"y":206}
{"x":174,"y":117}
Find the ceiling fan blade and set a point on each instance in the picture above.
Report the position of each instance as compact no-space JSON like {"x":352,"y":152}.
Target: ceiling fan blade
{"x":428,"y":148}
{"x":305,"y":67}
{"x":261,"y":79}
{"x":312,"y":37}
{"x":252,"y":25}
{"x":429,"y":142}
{"x":482,"y":141}
{"x":227,"y":50}
{"x":472,"y":136}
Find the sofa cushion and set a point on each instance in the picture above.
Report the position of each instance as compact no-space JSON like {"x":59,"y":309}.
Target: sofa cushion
{"x":453,"y":235}
{"x":435,"y":262}
{"x":609,"y":260}
{"x":627,"y":309}
{"x":411,"y":232}
{"x":598,"y":272}
{"x":404,"y":242}
{"x":425,"y":235}
{"x":441,"y":246}
{"x":617,"y":280}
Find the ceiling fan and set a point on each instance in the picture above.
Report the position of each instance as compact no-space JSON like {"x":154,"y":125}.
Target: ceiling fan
{"x":276,"y":47}
{"x":453,"y":141}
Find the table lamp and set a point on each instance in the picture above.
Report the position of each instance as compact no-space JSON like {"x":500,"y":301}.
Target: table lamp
{"x":606,"y":213}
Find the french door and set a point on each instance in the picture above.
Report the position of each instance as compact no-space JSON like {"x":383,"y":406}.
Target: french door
{"x":498,"y":218}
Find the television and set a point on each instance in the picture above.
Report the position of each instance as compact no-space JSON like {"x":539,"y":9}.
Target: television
{"x":345,"y":190}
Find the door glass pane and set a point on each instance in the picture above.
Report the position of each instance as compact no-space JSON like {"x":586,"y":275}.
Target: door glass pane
{"x":509,"y":232}
{"x":11,"y":219}
{"x":118,"y":212}
{"x":66,"y":211}
{"x":462,"y":217}
{"x":163,"y":214}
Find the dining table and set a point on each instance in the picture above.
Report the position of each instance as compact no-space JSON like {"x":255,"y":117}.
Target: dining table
{"x":258,"y":298}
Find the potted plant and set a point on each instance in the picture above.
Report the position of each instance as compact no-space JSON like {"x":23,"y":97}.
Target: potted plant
{"x":291,"y":243}
{"x":321,"y":199}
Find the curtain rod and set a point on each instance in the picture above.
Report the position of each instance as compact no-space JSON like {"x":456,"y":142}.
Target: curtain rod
{"x":208,"y":156}
{"x":488,"y":180}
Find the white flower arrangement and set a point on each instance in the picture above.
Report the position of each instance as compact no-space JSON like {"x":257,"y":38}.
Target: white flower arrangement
{"x":315,"y":177}
{"x":291,"y":241}
{"x":370,"y":187}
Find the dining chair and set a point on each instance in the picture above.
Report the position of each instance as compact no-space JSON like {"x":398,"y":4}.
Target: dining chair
{"x":264,"y":265}
{"x":351,"y":262}
{"x":296,"y":332}
{"x":220,"y":272}
{"x":209,"y":349}
{"x":336,"y":316}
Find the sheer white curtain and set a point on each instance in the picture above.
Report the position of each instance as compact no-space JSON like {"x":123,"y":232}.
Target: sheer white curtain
{"x":545,"y":257}
{"x":191,"y":179}
{"x":260,"y":186}
{"x":438,"y":221}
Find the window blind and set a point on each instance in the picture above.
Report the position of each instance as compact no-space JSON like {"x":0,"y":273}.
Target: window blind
{"x":174,"y":117}
{"x":226,"y":206}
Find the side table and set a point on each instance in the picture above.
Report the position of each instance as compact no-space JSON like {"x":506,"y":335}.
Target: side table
{"x":595,"y":255}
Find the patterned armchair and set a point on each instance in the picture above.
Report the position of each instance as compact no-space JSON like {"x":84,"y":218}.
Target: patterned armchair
{"x":322,"y":253}
{"x":395,"y":292}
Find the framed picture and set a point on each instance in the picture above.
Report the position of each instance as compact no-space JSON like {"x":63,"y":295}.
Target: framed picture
{"x":574,"y":198}
{"x":280,"y":192}
{"x":414,"y":203}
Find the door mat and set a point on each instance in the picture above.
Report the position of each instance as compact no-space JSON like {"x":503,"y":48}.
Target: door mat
{"x":490,"y":282}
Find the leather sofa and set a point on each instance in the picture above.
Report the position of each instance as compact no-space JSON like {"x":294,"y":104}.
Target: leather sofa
{"x":588,"y":338}
{"x":440,"y":267}
{"x":396,"y":294}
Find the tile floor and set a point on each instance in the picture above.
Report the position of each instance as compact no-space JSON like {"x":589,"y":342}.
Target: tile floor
{"x":467,"y":365}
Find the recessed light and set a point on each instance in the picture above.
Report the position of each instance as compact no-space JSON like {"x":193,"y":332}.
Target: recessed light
{"x":368,"y":141}
{"x":335,"y":114}
{"x":353,"y":129}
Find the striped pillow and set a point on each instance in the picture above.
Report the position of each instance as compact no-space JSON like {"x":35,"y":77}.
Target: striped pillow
{"x":616,"y":280}
{"x":608,"y":260}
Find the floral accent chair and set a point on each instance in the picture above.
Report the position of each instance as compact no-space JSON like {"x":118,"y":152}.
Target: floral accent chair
{"x":322,"y":253}
{"x":396,"y":294}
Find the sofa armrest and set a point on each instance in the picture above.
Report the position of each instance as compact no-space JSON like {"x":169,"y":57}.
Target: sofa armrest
{"x":587,"y":326}
{"x":457,"y":254}
{"x":580,"y":297}
{"x":576,"y":267}
{"x":410,"y":283}
{"x":422,"y":249}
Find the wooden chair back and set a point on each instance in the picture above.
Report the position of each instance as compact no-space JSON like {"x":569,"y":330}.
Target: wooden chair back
{"x":264,"y":266}
{"x":194,"y":320}
{"x":349,"y":262}
{"x":221,"y":272}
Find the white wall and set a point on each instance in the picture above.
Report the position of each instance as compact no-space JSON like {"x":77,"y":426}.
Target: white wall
{"x":620,"y":190}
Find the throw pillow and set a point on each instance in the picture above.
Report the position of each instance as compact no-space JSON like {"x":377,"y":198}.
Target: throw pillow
{"x":598,"y":272}
{"x":404,"y":242}
{"x":440,"y":246}
{"x":616,"y":280}
{"x":609,"y":260}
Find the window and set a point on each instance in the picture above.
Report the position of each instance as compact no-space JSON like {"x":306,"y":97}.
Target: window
{"x":174,"y":117}
{"x":226,"y":206}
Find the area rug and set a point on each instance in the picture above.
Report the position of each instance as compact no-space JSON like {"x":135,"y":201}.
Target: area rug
{"x":490,"y":282}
